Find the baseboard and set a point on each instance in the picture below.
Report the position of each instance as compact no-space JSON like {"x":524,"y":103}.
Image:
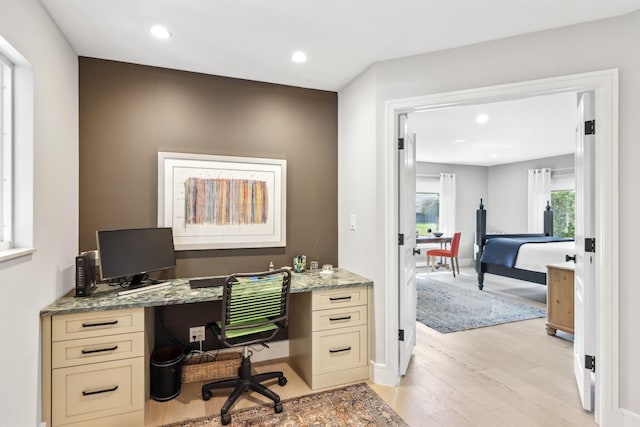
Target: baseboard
{"x":383,"y":376}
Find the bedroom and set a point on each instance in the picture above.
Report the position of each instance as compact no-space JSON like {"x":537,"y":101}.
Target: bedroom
{"x":490,"y":160}
{"x":510,"y":151}
{"x":490,"y":151}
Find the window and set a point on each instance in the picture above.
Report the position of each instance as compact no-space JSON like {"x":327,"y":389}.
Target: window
{"x":563,"y":206}
{"x":6,"y":153}
{"x":427,"y":212}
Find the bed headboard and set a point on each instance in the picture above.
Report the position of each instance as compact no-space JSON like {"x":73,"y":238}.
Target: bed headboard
{"x":481,"y":225}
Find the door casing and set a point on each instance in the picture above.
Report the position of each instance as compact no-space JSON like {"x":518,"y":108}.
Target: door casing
{"x":604,"y":84}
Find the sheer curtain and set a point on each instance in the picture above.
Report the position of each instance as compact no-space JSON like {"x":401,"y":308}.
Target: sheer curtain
{"x":539,"y":194}
{"x":447,"y":224}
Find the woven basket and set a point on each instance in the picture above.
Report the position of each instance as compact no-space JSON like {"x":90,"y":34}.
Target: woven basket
{"x":206,"y":368}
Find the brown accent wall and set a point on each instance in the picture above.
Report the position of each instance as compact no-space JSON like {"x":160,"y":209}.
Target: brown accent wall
{"x":130,"y":112}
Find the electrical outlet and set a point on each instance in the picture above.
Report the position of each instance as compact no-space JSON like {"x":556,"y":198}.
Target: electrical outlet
{"x":196,"y":334}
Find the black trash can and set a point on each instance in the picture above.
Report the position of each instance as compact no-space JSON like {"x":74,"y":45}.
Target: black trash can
{"x":166,"y":372}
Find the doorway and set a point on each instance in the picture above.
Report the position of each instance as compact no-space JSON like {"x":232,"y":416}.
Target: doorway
{"x":604,"y":85}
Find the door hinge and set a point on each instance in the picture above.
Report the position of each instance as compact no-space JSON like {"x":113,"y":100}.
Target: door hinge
{"x":401,"y":334}
{"x":590,"y":244}
{"x":401,"y":239}
{"x":590,"y":127}
{"x":590,"y":362}
{"x":400,"y":143}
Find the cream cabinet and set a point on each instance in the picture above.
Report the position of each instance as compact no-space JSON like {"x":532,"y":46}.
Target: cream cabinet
{"x":95,"y":368}
{"x":329,"y":336}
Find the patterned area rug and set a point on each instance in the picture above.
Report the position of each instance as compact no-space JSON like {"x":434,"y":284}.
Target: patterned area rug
{"x":355,"y":405}
{"x":448,"y":308}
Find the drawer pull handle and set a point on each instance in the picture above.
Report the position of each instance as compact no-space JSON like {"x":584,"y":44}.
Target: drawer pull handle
{"x":106,"y":390}
{"x":331,"y":350}
{"x":335,"y":319}
{"x":98,"y":350}
{"x":339,"y":298}
{"x":90,"y":325}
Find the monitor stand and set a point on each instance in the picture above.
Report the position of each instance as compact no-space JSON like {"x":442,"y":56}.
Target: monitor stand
{"x":136,"y":281}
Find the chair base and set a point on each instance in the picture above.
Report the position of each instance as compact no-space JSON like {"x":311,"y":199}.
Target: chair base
{"x":243,"y":383}
{"x":455,"y":264}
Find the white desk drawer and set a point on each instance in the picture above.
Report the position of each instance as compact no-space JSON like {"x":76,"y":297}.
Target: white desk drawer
{"x":95,"y":350}
{"x":339,"y":349}
{"x":339,"y":318}
{"x":82,"y":393}
{"x":96,"y":324}
{"x":338,"y":298}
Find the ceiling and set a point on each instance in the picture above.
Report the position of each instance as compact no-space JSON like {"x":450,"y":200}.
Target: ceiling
{"x":515,"y":131}
{"x":254,"y":39}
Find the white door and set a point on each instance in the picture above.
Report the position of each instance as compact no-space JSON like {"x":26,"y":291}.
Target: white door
{"x":585,"y":261}
{"x":407,"y":242}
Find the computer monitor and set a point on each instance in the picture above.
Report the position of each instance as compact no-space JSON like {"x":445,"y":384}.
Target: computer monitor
{"x":133,"y":253}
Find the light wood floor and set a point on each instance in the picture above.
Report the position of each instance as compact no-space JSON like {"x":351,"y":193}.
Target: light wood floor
{"x":504,"y":375}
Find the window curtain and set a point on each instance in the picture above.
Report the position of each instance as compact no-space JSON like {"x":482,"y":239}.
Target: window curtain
{"x":539,"y":194}
{"x":447,"y":224}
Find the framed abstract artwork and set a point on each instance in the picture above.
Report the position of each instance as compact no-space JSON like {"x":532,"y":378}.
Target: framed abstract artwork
{"x":222,"y":202}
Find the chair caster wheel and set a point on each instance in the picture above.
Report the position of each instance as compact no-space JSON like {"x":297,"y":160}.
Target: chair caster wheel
{"x":226,"y":419}
{"x":277,"y":408}
{"x":282,"y":381}
{"x":206,"y":395}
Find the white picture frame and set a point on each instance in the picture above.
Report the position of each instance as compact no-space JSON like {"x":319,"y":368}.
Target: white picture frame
{"x":222,"y":202}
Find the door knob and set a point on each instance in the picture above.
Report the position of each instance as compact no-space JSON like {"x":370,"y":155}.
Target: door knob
{"x":569,"y":258}
{"x":416,"y":251}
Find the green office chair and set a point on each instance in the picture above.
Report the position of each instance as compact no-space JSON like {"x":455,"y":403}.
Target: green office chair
{"x":254,"y":308}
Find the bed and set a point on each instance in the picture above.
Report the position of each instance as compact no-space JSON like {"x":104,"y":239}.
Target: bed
{"x":518,"y":256}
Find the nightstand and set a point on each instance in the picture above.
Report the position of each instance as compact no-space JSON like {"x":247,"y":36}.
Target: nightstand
{"x":560,"y":294}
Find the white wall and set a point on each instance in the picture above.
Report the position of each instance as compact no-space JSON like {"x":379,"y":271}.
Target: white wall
{"x":507,"y":202}
{"x":29,"y":284}
{"x":357,"y":186}
{"x":600,"y":45}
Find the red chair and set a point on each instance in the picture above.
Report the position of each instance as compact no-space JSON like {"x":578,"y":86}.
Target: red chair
{"x":452,"y":253}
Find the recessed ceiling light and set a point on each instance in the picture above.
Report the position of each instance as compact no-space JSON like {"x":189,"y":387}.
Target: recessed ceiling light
{"x":494,"y":156}
{"x":482,"y":118}
{"x":299,"y":57}
{"x":160,"y":32}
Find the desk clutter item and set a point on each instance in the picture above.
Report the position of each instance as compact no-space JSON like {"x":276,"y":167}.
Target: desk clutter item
{"x":327,"y":269}
{"x":143,"y":289}
{"x":207,"y":282}
{"x":299,"y":263}
{"x":204,"y":367}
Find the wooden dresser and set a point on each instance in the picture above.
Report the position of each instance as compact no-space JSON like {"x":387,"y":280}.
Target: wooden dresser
{"x":560,"y":295}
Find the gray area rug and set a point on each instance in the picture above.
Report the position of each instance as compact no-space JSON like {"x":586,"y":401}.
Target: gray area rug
{"x":448,"y":308}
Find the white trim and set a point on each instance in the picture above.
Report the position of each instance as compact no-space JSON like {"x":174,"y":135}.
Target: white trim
{"x":10,"y":254}
{"x":6,"y":153}
{"x":605,"y":85}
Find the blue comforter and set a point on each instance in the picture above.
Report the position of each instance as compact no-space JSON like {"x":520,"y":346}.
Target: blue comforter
{"x":504,"y":250}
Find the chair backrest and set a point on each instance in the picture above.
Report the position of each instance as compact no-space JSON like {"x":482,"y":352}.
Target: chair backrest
{"x":455,"y":244}
{"x":254,"y":306}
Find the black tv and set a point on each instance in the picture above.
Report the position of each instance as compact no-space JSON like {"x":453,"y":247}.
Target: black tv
{"x":131,"y":254}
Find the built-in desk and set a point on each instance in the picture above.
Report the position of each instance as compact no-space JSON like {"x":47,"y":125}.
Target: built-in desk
{"x":96,"y":350}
